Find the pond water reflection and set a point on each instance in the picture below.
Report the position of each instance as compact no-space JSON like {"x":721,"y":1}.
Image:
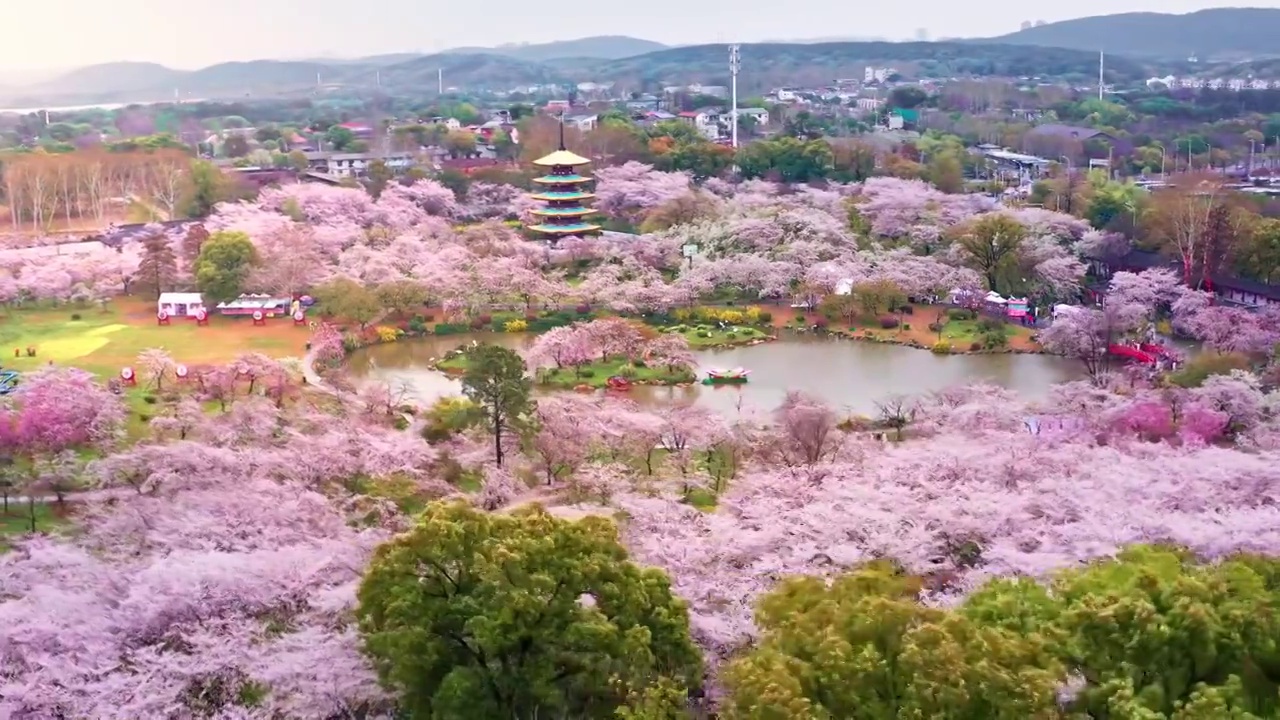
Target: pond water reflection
{"x":847,"y":374}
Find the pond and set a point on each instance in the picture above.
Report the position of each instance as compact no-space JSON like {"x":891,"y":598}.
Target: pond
{"x":849,"y":374}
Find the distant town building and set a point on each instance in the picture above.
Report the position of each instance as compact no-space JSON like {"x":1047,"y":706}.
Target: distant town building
{"x":1069,"y":132}
{"x":706,"y":121}
{"x":877,"y":74}
{"x":759,"y":115}
{"x":584,"y":123}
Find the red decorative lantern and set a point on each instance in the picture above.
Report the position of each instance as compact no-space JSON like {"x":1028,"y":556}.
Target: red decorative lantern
{"x":258,"y":319}
{"x":162,"y":318}
{"x":202,"y":317}
{"x":299,"y":318}
{"x":128,"y":377}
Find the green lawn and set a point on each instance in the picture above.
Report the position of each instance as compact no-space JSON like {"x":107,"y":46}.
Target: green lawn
{"x":597,"y":374}
{"x":103,"y":342}
{"x":17,"y":521}
{"x":963,"y":332}
{"x":454,"y":363}
{"x":712,"y":336}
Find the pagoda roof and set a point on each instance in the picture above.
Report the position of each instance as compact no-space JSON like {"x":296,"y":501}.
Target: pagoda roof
{"x":562,"y":179}
{"x":562,"y":212}
{"x":563,"y":158}
{"x":552,"y":195}
{"x":573,"y":229}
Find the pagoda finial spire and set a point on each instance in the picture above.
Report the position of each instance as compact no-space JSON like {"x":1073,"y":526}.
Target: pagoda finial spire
{"x":562,"y":147}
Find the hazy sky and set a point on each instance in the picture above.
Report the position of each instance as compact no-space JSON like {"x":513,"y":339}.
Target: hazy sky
{"x":71,"y":33}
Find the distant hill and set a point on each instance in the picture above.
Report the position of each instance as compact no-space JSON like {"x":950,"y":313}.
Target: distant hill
{"x":766,"y":65}
{"x":604,"y":47}
{"x":1223,"y":33}
{"x":119,"y":77}
{"x":388,"y":59}
{"x":469,"y":70}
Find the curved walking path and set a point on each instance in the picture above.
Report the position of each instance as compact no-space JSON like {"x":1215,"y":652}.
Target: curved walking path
{"x":312,"y":377}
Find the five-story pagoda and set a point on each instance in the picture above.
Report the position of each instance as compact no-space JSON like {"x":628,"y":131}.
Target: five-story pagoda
{"x":563,"y":192}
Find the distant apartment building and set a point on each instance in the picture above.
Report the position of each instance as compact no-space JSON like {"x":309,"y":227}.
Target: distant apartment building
{"x":877,"y":74}
{"x":448,"y":122}
{"x":758,"y":115}
{"x":584,"y":123}
{"x":356,"y":164}
{"x":718,"y":91}
{"x":706,"y":122}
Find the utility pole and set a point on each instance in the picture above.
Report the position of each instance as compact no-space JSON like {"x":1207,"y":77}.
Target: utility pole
{"x":440,"y":81}
{"x":1101,"y":62}
{"x":735,"y":62}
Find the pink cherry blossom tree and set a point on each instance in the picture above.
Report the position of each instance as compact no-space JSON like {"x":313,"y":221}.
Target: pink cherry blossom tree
{"x":567,"y":427}
{"x":671,"y":350}
{"x":290,"y":261}
{"x":566,"y":346}
{"x":157,"y":366}
{"x":1086,"y":334}
{"x":58,"y":409}
{"x":630,"y":190}
{"x":805,"y":430}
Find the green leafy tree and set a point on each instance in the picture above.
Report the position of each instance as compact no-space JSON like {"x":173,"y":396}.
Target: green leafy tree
{"x":1259,"y":254}
{"x":455,"y":180}
{"x":379,"y":176}
{"x":268,"y":133}
{"x":1114,"y":205}
{"x":787,"y":159}
{"x":503,"y":146}
{"x":863,"y":648}
{"x":1165,"y":627}
{"x":298,"y":161}
{"x":946,"y":172}
{"x":666,"y":699}
{"x":403,"y":296}
{"x":991,"y":244}
{"x":480,"y":616}
{"x":703,"y":159}
{"x":679,"y":132}
{"x":449,"y":416}
{"x":207,"y":188}
{"x":460,"y":143}
{"x":496,"y":381}
{"x":876,"y":296}
{"x":340,"y":138}
{"x":908,"y":97}
{"x":224,"y":264}
{"x":346,"y":298}
{"x":235,"y":146}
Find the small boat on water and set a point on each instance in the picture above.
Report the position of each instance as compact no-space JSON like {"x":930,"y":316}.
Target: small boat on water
{"x":726,"y":377}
